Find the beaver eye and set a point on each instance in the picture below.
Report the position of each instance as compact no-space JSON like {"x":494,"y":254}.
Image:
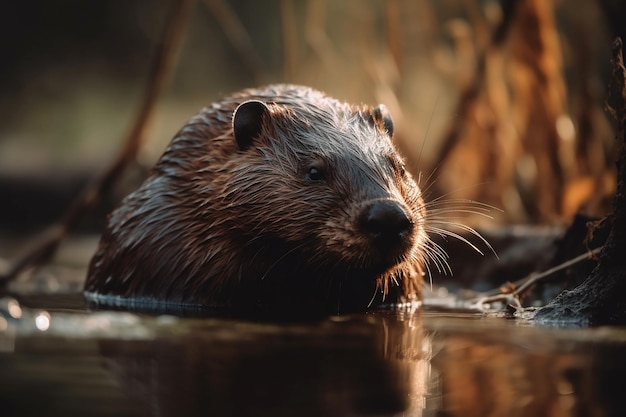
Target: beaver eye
{"x":315,"y":174}
{"x":402,"y":170}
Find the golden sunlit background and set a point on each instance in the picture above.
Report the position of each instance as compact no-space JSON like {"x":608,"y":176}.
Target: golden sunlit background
{"x":499,"y":102}
{"x":496,"y":101}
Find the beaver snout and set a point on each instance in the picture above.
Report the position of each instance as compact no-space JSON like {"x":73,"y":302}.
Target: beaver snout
{"x":386,"y":220}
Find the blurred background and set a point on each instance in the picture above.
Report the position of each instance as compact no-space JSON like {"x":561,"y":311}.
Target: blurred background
{"x":496,"y":101}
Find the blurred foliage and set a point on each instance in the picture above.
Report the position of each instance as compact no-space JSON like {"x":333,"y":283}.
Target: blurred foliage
{"x":500,"y":102}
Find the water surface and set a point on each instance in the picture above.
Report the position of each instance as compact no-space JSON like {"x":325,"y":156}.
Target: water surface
{"x":57,"y":358}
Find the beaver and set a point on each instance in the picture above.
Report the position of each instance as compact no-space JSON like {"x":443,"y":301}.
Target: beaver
{"x":278,"y":196}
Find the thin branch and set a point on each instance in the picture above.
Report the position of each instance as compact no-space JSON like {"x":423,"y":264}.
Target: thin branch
{"x":471,"y":92}
{"x":523,"y":285}
{"x":161,"y":72}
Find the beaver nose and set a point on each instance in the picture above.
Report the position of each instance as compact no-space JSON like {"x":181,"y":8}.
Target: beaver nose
{"x":386,"y":218}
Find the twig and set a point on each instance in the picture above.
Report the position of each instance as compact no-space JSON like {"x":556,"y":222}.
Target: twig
{"x":161,"y":72}
{"x":521,"y":286}
{"x":471,"y":92}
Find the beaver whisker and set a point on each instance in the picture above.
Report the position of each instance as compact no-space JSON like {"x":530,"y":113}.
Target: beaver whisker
{"x":418,"y":256}
{"x":429,"y":182}
{"x":443,"y":201}
{"x":373,"y":295}
{"x":430,"y":274}
{"x":455,"y":206}
{"x":435,"y":253}
{"x":441,"y":214}
{"x":439,"y":262}
{"x":444,"y":232}
{"x":445,"y":267}
{"x":394,"y":278}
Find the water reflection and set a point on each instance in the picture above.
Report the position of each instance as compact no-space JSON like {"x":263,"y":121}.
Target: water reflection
{"x":524,"y":371}
{"x":384,"y":364}
{"x":334,"y":368}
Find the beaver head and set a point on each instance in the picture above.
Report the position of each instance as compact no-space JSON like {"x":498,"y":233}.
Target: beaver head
{"x":278,"y":195}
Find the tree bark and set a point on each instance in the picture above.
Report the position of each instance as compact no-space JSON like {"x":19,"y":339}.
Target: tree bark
{"x":601,"y":298}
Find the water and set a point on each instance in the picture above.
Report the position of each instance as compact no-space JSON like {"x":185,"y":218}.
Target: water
{"x":57,"y":358}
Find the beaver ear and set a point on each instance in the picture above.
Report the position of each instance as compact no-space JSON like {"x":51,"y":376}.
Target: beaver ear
{"x":247,"y":122}
{"x":382,"y":118}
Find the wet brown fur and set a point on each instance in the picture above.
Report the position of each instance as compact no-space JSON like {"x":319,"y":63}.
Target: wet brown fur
{"x":218,"y":225}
